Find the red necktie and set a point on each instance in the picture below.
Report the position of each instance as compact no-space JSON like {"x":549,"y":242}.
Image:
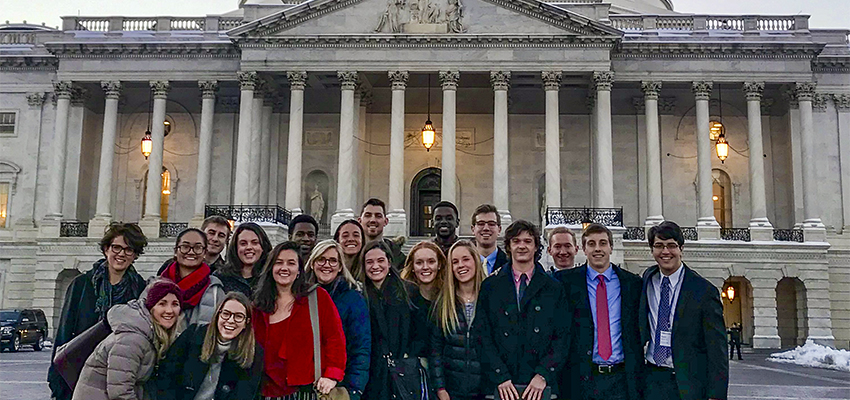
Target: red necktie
{"x":603,"y":329}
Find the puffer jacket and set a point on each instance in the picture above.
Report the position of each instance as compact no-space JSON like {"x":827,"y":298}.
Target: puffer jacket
{"x":122,"y":362}
{"x":354,"y":313}
{"x":205,"y":310}
{"x":454,"y":364}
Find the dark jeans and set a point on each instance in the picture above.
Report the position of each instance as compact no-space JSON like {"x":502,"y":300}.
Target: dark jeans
{"x":614,"y":386}
{"x":660,"y":384}
{"x":733,"y":345}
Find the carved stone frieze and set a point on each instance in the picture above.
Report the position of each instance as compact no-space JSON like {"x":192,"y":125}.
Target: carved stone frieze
{"x":318,"y":139}
{"x":732,"y":50}
{"x":177,"y":49}
{"x":28,"y":63}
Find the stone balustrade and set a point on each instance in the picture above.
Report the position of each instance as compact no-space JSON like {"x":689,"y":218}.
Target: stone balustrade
{"x":690,"y":23}
{"x":17,"y":37}
{"x":213,"y":23}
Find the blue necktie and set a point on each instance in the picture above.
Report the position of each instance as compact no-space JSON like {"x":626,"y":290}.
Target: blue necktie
{"x":523,"y":284}
{"x":662,"y":353}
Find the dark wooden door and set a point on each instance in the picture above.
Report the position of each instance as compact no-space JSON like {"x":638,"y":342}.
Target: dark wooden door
{"x":424,"y":195}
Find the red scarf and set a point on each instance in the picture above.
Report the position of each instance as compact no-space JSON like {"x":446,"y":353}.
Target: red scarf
{"x":194,"y":285}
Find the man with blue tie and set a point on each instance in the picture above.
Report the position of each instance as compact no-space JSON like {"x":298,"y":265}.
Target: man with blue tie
{"x":605,"y":352}
{"x":681,"y":324}
{"x":486,"y":227}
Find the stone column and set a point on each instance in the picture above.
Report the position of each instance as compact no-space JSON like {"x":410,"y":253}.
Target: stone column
{"x":265,"y":147}
{"x":707,"y":226}
{"x":796,"y":155}
{"x":360,"y":146}
{"x":813,"y":228}
{"x":842,"y":105}
{"x":256,"y":142}
{"x":25,"y":228}
{"x":396,"y":214}
{"x":345,"y":165}
{"x":103,"y":213}
{"x":604,"y":168}
{"x":501,"y":81}
{"x":760,"y":227}
{"x":654,"y":208}
{"x":55,"y":193}
{"x":552,"y":159}
{"x":242,"y":181}
{"x":765,"y":323}
{"x":297,"y":82}
{"x":205,"y":148}
{"x":150,"y":220}
{"x":448,"y":183}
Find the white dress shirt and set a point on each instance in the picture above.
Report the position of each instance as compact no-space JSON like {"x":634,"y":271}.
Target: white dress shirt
{"x":653,"y":297}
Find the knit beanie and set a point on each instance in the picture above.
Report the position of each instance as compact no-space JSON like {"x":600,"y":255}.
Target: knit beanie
{"x":160,"y":289}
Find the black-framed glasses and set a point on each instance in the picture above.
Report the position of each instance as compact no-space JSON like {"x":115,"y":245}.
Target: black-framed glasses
{"x":333,"y":262}
{"x":118,"y":249}
{"x":185,"y":248}
{"x":237,"y":317}
{"x":490,"y":224}
{"x":662,"y":246}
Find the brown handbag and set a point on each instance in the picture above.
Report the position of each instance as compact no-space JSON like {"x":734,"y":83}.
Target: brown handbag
{"x":71,"y":357}
{"x":338,"y":392}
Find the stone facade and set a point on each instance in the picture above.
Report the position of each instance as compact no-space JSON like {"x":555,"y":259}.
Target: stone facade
{"x":610,"y":101}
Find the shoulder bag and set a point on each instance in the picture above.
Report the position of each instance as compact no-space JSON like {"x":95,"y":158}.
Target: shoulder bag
{"x":71,"y":357}
{"x":338,"y":392}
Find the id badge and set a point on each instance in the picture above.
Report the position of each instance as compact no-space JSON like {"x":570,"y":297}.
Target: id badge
{"x":666,"y":339}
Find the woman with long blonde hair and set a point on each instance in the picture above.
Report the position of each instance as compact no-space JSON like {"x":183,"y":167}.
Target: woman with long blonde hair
{"x":425,"y":266}
{"x":218,"y":361}
{"x":454,"y":362}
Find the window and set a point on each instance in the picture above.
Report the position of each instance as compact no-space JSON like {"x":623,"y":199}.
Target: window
{"x":4,"y":203}
{"x":164,"y":196}
{"x":7,"y":123}
{"x":722,"y":198}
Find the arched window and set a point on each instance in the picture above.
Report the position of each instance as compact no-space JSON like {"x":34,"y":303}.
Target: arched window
{"x":722,"y":197}
{"x":164,"y":196}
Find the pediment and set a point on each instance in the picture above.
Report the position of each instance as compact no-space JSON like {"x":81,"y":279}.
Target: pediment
{"x":410,"y":18}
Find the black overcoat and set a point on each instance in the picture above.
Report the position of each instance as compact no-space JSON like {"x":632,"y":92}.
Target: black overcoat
{"x":455,"y":363}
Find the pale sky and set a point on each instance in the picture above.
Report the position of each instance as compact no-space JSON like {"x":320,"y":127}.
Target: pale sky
{"x":825,"y":13}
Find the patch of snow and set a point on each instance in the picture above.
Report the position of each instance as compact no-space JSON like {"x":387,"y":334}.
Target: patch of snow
{"x":48,"y":344}
{"x":814,"y":355}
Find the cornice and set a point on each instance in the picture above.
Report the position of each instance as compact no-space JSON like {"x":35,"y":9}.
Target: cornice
{"x":29,"y":63}
{"x":714,"y":50}
{"x":831,"y":64}
{"x":429,"y":41}
{"x":217,"y":49}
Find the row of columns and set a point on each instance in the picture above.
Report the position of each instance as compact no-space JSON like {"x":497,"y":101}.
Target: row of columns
{"x":253,"y":148}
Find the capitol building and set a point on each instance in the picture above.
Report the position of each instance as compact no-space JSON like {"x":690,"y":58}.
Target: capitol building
{"x":626,"y":112}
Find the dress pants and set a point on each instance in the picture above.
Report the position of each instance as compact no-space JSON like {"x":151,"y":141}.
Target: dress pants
{"x":613,"y":386}
{"x":660,"y":384}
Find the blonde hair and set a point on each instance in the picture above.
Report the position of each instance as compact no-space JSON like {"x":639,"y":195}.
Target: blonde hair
{"x":164,"y":338}
{"x":444,"y":311}
{"x":317,"y":252}
{"x":408,"y":273}
{"x":242,"y":350}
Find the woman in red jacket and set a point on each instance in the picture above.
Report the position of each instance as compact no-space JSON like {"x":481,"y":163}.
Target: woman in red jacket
{"x":282,"y":326}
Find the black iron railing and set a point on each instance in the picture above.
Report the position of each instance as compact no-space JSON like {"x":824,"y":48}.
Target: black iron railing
{"x":73,"y":229}
{"x":690,"y":233}
{"x":579,"y":216}
{"x":634,"y":233}
{"x":269,"y":213}
{"x":788,"y":235}
{"x":742,"y":234}
{"x":171,"y":229}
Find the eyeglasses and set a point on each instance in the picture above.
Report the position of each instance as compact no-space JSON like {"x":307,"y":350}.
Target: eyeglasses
{"x":668,"y":246}
{"x":237,"y":317}
{"x":490,"y":224}
{"x":197,"y":249}
{"x":333,"y":262}
{"x":118,"y":249}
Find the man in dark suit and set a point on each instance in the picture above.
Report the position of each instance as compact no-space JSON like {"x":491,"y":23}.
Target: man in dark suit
{"x":486,"y":227}
{"x":518,"y":321}
{"x":681,"y":324}
{"x":605,"y":354}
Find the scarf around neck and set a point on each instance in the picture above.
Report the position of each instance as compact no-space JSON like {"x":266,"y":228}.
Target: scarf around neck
{"x":108,"y":294}
{"x":194,"y":285}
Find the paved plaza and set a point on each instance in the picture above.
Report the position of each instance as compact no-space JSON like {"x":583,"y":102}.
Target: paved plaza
{"x":23,"y":377}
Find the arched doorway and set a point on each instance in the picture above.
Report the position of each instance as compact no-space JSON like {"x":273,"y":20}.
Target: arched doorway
{"x":738,"y":309}
{"x":164,"y":197}
{"x":424,"y":194}
{"x":791,"y":312}
{"x":722,"y":196}
{"x":63,"y":281}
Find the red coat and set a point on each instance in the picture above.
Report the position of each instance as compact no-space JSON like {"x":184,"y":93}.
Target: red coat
{"x":297,"y":348}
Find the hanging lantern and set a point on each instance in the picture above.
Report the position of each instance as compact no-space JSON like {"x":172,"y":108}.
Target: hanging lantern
{"x":147,"y":145}
{"x":428,"y":135}
{"x":166,"y":182}
{"x":715,"y":129}
{"x":722,"y":147}
{"x":730,"y":293}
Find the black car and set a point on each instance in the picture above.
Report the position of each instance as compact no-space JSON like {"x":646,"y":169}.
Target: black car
{"x":20,"y":327}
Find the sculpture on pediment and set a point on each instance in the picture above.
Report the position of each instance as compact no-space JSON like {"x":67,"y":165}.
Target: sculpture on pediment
{"x":391,"y":18}
{"x":454,"y":17}
{"x":422,"y":16}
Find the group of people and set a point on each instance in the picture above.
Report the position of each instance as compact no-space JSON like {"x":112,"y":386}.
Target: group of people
{"x":307,"y":319}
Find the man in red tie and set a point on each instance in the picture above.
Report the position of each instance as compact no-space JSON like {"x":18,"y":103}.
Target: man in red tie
{"x":605,"y":351}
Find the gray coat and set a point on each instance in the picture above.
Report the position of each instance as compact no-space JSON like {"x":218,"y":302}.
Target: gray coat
{"x":203,"y":313}
{"x":123,"y":361}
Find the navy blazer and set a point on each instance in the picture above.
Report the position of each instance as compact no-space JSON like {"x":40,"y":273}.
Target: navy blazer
{"x":576,"y":374}
{"x":699,"y":337}
{"x":518,"y":342}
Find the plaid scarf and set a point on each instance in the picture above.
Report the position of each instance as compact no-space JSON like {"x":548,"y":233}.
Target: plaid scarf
{"x":108,"y":294}
{"x":193,"y":285}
